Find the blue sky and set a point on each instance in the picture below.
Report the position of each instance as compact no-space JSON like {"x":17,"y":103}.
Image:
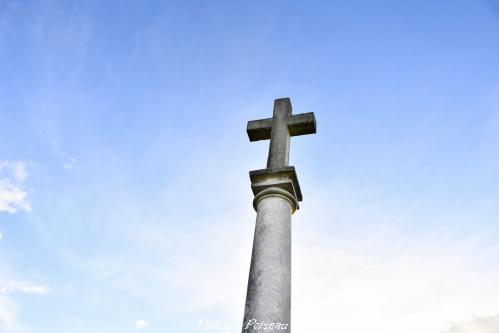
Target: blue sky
{"x":125,"y":203}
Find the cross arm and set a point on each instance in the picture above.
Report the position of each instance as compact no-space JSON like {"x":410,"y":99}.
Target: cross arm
{"x":259,"y":129}
{"x":302,"y":124}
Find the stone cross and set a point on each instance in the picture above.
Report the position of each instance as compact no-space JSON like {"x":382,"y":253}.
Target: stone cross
{"x":277,"y":193}
{"x":279,"y":129}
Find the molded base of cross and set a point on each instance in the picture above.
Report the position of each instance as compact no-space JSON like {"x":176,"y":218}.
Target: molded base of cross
{"x":281,"y":181}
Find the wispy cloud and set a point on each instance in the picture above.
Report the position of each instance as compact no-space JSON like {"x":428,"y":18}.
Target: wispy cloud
{"x":140,"y":324}
{"x":7,"y":313}
{"x":69,"y":163}
{"x":486,"y":324}
{"x":12,"y":197}
{"x":23,"y":287}
{"x":391,"y":280}
{"x":17,"y":168}
{"x":8,"y":307}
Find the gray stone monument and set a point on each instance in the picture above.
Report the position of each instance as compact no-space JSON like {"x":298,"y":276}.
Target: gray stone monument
{"x":277,"y":193}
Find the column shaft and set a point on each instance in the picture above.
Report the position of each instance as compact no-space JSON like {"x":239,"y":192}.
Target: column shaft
{"x":268,"y":298}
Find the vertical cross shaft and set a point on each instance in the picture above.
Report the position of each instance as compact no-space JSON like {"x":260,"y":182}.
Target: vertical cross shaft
{"x":279,"y":135}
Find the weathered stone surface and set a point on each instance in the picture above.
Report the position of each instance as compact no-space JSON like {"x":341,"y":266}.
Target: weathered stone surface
{"x":279,"y":129}
{"x":260,"y":179}
{"x":277,"y":193}
{"x":269,"y":286}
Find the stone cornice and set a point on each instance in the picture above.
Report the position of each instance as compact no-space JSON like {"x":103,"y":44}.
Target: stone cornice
{"x":280,"y":182}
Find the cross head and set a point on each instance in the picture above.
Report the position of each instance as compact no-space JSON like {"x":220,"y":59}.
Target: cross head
{"x":279,"y":129}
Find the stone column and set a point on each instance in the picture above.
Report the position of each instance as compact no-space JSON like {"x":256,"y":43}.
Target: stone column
{"x":268,"y":299}
{"x":277,"y":193}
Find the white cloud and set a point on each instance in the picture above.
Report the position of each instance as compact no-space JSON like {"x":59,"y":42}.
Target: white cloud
{"x":7,"y":313}
{"x":69,"y":163}
{"x":383,"y":279}
{"x":140,"y":324}
{"x":12,"y":196}
{"x":8,"y":307}
{"x":489,"y":324}
{"x":405,"y":291}
{"x":23,"y":287}
{"x":16,"y":168}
